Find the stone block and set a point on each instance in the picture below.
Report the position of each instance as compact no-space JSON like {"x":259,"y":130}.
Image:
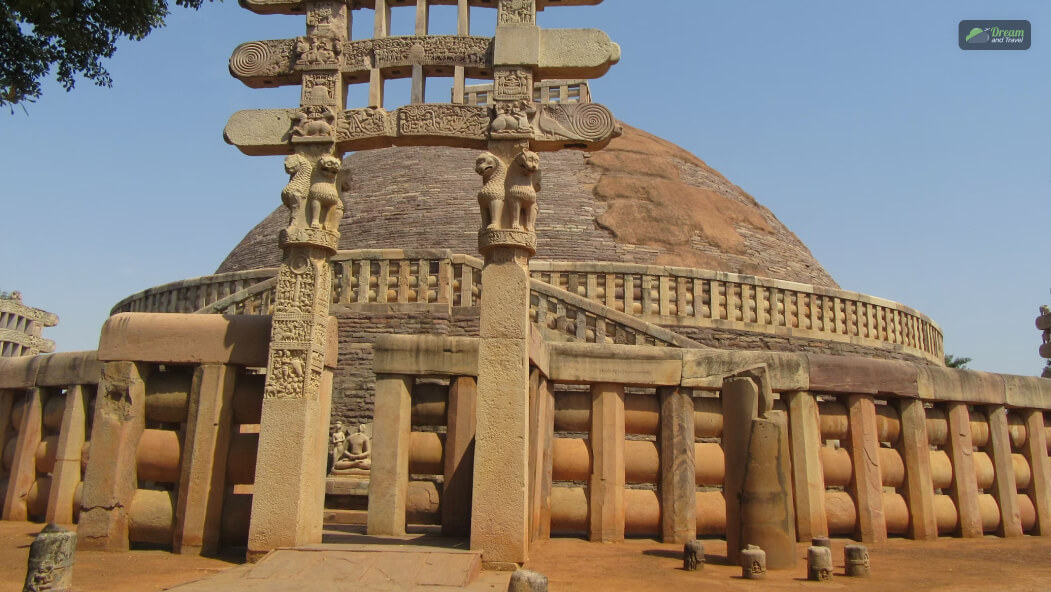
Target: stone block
{"x":186,"y":338}
{"x":576,"y":53}
{"x":66,"y":368}
{"x":623,"y":364}
{"x":517,"y":46}
{"x":706,"y":369}
{"x":857,"y":375}
{"x":951,"y":384}
{"x":426,"y":355}
{"x":19,"y":372}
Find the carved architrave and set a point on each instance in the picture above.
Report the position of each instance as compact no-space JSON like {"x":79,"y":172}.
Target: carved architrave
{"x":263,"y":58}
{"x":321,"y":88}
{"x":327,"y":19}
{"x":512,"y":119}
{"x":315,"y":51}
{"x":586,"y":122}
{"x":370,"y":122}
{"x":499,"y":237}
{"x":314,"y":121}
{"x":512,"y":84}
{"x":269,"y":63}
{"x":34,"y":344}
{"x":459,"y":121}
{"x":516,"y":12}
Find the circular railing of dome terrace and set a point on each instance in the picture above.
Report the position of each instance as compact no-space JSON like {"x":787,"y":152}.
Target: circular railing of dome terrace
{"x":671,"y":297}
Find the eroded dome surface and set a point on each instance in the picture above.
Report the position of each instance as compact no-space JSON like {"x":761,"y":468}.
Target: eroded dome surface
{"x":641,"y":200}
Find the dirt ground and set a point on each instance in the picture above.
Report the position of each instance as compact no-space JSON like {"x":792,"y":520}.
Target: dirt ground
{"x":93,"y":570}
{"x":959,"y":565}
{"x":636,"y":565}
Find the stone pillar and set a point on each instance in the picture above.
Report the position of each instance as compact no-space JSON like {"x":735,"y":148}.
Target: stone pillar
{"x":766,"y":508}
{"x":23,"y":466}
{"x":391,"y":433}
{"x":459,"y":457}
{"x":915,"y":452}
{"x":1040,"y":482}
{"x":740,"y":398}
{"x":867,"y":483}
{"x":289,"y":494}
{"x":1004,"y":487}
{"x":964,"y":490}
{"x":677,"y":469}
{"x":66,"y":475}
{"x":547,"y":393}
{"x":500,"y":511}
{"x":202,"y":478}
{"x":807,"y":474}
{"x":540,"y":435}
{"x":606,"y":487}
{"x":111,"y":477}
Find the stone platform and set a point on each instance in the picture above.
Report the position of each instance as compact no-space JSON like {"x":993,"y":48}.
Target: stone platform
{"x":354,"y":567}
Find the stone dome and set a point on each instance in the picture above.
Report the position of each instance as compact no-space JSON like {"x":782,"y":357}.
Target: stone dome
{"x":641,"y":200}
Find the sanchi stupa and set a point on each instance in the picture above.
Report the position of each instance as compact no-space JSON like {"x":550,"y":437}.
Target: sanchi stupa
{"x":659,"y":357}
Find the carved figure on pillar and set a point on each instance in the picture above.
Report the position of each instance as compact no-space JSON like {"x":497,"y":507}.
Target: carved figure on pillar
{"x":523,"y":183}
{"x":323,"y":202}
{"x":491,"y":197}
{"x":295,"y":193}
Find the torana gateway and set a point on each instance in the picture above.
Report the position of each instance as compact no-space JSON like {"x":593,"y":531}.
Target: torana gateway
{"x":638,"y":348}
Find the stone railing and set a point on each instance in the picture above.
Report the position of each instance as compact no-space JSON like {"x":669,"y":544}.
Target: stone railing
{"x":395,"y":276}
{"x":682,"y":297}
{"x":195,"y":294}
{"x":660,"y":297}
{"x":44,"y":429}
{"x":164,"y":418}
{"x":564,"y":316}
{"x":21,"y":327}
{"x":547,"y":91}
{"x":877,"y":447}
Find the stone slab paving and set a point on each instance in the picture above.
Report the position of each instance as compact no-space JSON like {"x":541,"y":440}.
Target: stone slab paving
{"x":359,"y":567}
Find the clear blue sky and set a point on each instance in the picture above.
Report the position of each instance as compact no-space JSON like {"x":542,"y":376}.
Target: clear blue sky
{"x":913,"y":170}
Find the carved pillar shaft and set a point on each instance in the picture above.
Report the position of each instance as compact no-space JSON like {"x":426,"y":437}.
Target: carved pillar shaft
{"x":289,"y":496}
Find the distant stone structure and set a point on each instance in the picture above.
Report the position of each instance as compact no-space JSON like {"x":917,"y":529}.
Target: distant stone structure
{"x":1043,"y":323}
{"x":21,"y":326}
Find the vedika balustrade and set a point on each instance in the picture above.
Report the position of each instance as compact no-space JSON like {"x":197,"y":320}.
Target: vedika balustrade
{"x":669,"y":297}
{"x":878,"y":447}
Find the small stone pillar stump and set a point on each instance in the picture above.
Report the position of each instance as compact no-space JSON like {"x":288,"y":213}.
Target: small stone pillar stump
{"x":693,"y":556}
{"x":819,"y":564}
{"x":753,"y":563}
{"x":857,"y":561}
{"x":523,"y":580}
{"x":51,"y":560}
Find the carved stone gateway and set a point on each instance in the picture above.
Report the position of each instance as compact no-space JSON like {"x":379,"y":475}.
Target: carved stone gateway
{"x":512,"y":130}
